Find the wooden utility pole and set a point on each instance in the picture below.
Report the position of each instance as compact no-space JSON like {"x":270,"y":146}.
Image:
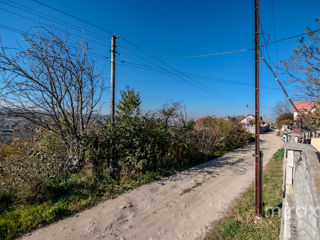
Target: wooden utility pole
{"x":112,"y":72}
{"x":258,"y":154}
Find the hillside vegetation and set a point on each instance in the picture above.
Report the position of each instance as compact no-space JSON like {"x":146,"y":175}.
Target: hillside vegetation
{"x":38,"y":186}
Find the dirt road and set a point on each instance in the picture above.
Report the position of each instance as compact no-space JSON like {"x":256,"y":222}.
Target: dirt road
{"x":178,"y":207}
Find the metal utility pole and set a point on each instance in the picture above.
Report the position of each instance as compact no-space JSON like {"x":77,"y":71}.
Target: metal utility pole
{"x":258,"y":154}
{"x":112,"y":81}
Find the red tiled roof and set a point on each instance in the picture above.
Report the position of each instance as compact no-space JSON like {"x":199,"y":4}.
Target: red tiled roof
{"x":305,"y":105}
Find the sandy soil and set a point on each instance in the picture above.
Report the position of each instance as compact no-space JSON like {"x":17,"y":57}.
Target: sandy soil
{"x":178,"y":207}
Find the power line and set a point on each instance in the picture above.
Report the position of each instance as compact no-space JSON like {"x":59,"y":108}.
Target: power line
{"x":154,"y":67}
{"x":187,"y":73}
{"x":170,"y":73}
{"x":287,"y":96}
{"x":262,"y":32}
{"x":74,"y":17}
{"x":50,"y":26}
{"x":219,"y":53}
{"x":174,"y":71}
{"x":52,"y":19}
{"x":264,"y":40}
{"x":186,"y":77}
{"x":11,"y":29}
{"x":291,"y":37}
{"x":188,"y":83}
{"x":150,"y":64}
{"x":158,"y":56}
{"x":148,"y":67}
{"x":180,"y":76}
{"x":151,"y":68}
{"x":99,"y":55}
{"x":184,"y":74}
{"x":265,"y":43}
{"x":18,"y":31}
{"x":266,"y":48}
{"x":174,"y":75}
{"x":197,"y":56}
{"x":274,"y":28}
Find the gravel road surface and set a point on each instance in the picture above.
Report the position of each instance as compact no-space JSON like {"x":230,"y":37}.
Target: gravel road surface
{"x":177,"y":207}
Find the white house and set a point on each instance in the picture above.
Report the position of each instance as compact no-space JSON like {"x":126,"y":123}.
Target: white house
{"x":246,"y":120}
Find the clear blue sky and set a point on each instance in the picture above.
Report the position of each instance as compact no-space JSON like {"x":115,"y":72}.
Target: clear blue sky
{"x":182,"y":28}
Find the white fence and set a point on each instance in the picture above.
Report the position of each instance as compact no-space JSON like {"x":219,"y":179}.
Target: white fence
{"x":301,"y":192}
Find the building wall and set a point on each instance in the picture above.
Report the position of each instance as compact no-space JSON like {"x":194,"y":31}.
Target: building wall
{"x":315,"y":142}
{"x":247,"y":120}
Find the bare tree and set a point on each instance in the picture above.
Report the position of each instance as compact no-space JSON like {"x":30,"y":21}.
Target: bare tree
{"x":52,"y":82}
{"x":303,"y":67}
{"x":281,"y":107}
{"x":174,"y":114}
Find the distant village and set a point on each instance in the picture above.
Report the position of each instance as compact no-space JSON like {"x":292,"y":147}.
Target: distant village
{"x":248,"y":123}
{"x":12,"y":128}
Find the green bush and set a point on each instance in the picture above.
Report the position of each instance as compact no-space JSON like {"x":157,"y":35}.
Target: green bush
{"x":37,"y":181}
{"x":129,"y":147}
{"x":26,"y":168}
{"x":219,"y":133}
{"x":284,"y":119}
{"x":132,"y":146}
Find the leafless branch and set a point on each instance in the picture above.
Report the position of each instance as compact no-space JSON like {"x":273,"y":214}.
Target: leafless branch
{"x":52,"y":82}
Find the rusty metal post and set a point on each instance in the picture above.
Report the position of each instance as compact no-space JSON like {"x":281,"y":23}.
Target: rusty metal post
{"x":258,"y":163}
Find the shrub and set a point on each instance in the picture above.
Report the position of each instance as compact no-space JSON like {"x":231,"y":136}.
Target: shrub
{"x":128,"y":147}
{"x":26,"y":167}
{"x":135,"y":145}
{"x":285,"y":119}
{"x":218,"y":133}
{"x":39,"y":180}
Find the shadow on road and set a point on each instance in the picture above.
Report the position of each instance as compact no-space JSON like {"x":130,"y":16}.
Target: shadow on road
{"x":233,"y":161}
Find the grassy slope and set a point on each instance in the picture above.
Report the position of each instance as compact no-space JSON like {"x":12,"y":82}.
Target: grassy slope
{"x":76,"y":193}
{"x":241,"y":223}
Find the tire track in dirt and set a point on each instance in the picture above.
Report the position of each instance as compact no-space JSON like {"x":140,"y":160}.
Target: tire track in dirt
{"x":181,"y":206}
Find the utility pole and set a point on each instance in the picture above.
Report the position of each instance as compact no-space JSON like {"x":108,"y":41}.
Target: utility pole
{"x":247,"y":115}
{"x":112,"y":81}
{"x":288,"y":97}
{"x":258,"y":154}
{"x":247,"y":110}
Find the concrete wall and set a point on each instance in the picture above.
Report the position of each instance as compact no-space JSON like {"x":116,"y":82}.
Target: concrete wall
{"x":301,"y":205}
{"x":316,"y":143}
